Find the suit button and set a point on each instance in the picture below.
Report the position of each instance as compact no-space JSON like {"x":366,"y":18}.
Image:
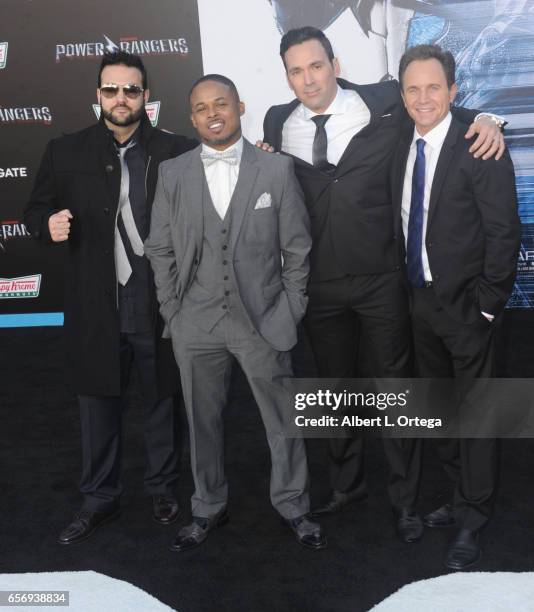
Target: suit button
{"x":436,"y":276}
{"x":225,"y":278}
{"x":336,"y":180}
{"x":109,"y":168}
{"x":224,"y":262}
{"x":226,"y":293}
{"x":224,"y":306}
{"x":108,"y":291}
{"x":429,"y":245}
{"x":223,"y":231}
{"x":224,"y":247}
{"x":196,"y":262}
{"x":395,"y":237}
{"x":106,"y":252}
{"x":397,"y":267}
{"x":106,"y":211}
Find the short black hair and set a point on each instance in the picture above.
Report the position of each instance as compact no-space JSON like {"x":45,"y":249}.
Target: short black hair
{"x":126,"y":59}
{"x":298,"y":36}
{"x":426,"y":52}
{"x":219,"y":78}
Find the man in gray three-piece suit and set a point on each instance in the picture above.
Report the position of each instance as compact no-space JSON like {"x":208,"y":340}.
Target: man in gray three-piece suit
{"x":229,"y":244}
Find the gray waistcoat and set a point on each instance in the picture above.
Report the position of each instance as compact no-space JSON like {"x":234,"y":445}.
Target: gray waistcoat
{"x":214,"y":291}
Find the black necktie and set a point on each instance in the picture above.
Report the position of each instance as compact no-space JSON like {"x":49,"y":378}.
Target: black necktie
{"x":320,"y":142}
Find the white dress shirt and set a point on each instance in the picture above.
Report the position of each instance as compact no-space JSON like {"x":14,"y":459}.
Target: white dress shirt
{"x":222,"y":177}
{"x":433,"y":142}
{"x":349,"y":113}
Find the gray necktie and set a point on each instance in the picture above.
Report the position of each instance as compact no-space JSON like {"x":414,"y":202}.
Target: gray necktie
{"x":124,"y":269}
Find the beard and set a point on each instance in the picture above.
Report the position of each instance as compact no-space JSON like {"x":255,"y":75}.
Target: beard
{"x":223,"y":141}
{"x":123,"y":120}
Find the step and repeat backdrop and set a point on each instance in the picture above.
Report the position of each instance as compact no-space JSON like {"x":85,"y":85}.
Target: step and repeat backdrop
{"x":50,"y":54}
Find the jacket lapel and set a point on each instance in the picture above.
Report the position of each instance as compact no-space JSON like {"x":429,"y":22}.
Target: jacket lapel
{"x":399,"y":172}
{"x":241,"y":198}
{"x":376,"y":115}
{"x":444,"y":160}
{"x":195,"y":185}
{"x":283,"y":113}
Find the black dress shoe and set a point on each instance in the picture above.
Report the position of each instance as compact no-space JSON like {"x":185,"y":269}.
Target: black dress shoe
{"x":83,"y":525}
{"x":165,"y":510}
{"x":337,"y":502}
{"x":196,"y":532}
{"x":442,"y":517}
{"x":409,"y":525}
{"x":463,"y":551}
{"x":307,"y":532}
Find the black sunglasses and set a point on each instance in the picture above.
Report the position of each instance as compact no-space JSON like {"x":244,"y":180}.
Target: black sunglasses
{"x":110,"y":90}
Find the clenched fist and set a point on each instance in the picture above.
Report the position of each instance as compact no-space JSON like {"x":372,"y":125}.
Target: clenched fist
{"x":59,"y":225}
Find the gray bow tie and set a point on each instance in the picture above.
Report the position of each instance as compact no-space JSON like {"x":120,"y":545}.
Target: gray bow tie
{"x":230,"y":157}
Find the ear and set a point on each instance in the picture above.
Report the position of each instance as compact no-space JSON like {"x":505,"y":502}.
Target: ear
{"x":146,"y":95}
{"x":452,"y":93}
{"x":241,"y":108}
{"x":98,"y":94}
{"x":192,"y":117}
{"x":337,"y":69}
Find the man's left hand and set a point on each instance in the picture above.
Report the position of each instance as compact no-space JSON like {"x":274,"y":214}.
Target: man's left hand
{"x":490,"y":140}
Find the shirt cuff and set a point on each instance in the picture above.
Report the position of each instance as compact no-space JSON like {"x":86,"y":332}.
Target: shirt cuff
{"x":488,"y":316}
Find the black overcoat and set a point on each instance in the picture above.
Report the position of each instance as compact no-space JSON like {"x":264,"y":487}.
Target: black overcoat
{"x":81,"y":172}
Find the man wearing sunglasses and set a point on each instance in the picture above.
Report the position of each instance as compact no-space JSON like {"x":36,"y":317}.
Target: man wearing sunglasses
{"x":94,"y":191}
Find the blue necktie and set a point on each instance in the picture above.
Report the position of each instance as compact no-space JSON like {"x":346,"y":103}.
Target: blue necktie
{"x":414,"y":245}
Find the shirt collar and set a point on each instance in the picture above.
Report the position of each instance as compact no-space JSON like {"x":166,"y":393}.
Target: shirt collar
{"x":337,"y":106}
{"x":437,"y":134}
{"x":237,"y":147}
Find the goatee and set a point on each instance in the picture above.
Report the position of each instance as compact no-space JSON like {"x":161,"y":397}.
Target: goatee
{"x":126,"y":120}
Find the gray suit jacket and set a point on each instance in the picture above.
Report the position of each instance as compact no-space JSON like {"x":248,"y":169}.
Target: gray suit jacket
{"x":270,"y":245}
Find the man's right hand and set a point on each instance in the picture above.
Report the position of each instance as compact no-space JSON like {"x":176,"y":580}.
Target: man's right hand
{"x":265,"y":146}
{"x":59,"y":225}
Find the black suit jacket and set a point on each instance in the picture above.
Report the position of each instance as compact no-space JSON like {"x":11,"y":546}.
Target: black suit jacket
{"x":81,"y":172}
{"x":473,"y":229}
{"x":350,"y":208}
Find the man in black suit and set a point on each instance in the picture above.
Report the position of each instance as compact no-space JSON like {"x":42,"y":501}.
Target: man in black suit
{"x":342,"y":137}
{"x":461,"y":234}
{"x":94,"y":192}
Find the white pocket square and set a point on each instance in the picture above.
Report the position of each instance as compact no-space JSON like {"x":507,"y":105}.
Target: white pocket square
{"x":264,"y":201}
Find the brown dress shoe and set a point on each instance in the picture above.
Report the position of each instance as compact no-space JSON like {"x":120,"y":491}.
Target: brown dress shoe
{"x":165,"y":510}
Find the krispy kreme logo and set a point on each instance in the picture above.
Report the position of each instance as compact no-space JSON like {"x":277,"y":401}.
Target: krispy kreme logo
{"x":22,"y":287}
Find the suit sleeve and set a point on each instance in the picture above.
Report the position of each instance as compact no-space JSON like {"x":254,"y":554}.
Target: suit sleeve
{"x":43,"y":199}
{"x":160,"y":251}
{"x":495,"y":193}
{"x":295,"y":241}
